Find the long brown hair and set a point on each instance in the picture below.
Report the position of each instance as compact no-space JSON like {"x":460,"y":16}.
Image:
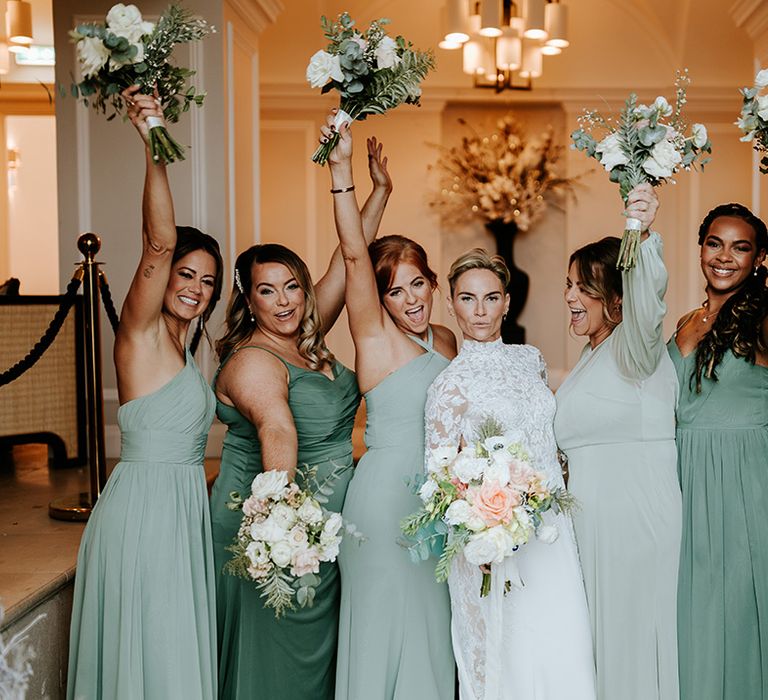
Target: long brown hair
{"x":598,"y":276}
{"x":311,"y":341}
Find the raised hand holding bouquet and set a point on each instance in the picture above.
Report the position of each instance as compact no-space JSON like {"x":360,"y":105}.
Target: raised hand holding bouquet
{"x":753,"y":121}
{"x":284,"y":536}
{"x":126,"y":51}
{"x":372,"y":72}
{"x":647,"y":144}
{"x":487,"y":500}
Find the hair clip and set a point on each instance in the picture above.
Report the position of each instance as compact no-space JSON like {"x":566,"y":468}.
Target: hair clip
{"x":238,"y":282}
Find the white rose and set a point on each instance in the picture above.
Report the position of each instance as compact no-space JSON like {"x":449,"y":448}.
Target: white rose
{"x":498,"y":471}
{"x":467,"y":468}
{"x":268,"y":531}
{"x":547,"y":533}
{"x":762,"y":107}
{"x":386,"y":54}
{"x":126,"y":21}
{"x":92,"y":55}
{"x":329,"y":551}
{"x":297,"y":538}
{"x":269,"y":484}
{"x":458,"y":513}
{"x":257,"y":553}
{"x":611,"y":153}
{"x":427,"y":490}
{"x":663,"y":160}
{"x":333,"y":524}
{"x":310,"y":512}
{"x":322,"y":68}
{"x":761,"y":79}
{"x":281,"y":554}
{"x":663,"y":107}
{"x":699,"y":133}
{"x":284,"y":516}
{"x":439,"y":458}
{"x":487,"y":547}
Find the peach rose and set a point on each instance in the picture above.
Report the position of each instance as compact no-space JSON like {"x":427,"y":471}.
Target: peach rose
{"x":493,"y":503}
{"x":305,"y":561}
{"x":520,"y":474}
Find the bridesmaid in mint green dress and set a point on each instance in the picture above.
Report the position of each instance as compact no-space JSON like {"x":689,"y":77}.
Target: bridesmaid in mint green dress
{"x":143,"y":614}
{"x":615,"y":421}
{"x":720,"y":352}
{"x":394,"y":626}
{"x":285,"y":401}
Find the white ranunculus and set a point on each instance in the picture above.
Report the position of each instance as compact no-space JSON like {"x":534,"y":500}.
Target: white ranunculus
{"x":610,"y":152}
{"x":386,"y":53}
{"x":333,"y":524}
{"x":488,"y":547}
{"x":761,"y":79}
{"x":547,"y":533}
{"x":284,"y":516}
{"x":663,"y":160}
{"x":269,"y":484}
{"x":440,"y":457}
{"x":329,"y":551}
{"x":427,"y":490}
{"x":458,"y":513}
{"x":322,"y":68}
{"x":662,"y":106}
{"x":310,"y":511}
{"x":498,"y":471}
{"x":281,"y":554}
{"x":92,"y":55}
{"x":699,"y":132}
{"x":126,"y":21}
{"x":496,"y":442}
{"x":268,"y":531}
{"x":762,"y":107}
{"x":467,"y":468}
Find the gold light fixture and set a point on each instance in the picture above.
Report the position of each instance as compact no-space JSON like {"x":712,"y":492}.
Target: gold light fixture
{"x":18,"y":22}
{"x":505,"y":39}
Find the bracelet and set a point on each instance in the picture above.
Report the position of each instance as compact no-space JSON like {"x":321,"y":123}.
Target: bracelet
{"x":343,"y":189}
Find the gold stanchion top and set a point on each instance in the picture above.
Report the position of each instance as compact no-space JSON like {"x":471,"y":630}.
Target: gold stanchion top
{"x":89,"y":244}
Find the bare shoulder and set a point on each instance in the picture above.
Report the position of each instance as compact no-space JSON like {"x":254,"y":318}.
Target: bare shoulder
{"x":444,"y":341}
{"x":251,"y":369}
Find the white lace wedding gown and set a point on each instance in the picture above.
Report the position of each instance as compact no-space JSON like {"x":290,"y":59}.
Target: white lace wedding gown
{"x":534,"y":642}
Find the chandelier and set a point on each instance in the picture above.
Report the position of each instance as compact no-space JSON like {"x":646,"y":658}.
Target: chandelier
{"x":503,"y":42}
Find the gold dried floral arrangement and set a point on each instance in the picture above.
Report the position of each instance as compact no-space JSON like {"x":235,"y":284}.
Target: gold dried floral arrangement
{"x":505,"y":176}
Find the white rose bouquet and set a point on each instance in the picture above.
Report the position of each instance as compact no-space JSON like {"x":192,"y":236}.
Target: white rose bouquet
{"x":284,"y":536}
{"x":372,"y":72}
{"x":753,"y":121}
{"x":486,"y":501}
{"x":647,"y":144}
{"x":126,"y":51}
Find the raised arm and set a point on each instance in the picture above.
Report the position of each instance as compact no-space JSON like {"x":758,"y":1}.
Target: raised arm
{"x":144,"y":301}
{"x":639,"y":342}
{"x":366,"y":316}
{"x":330,"y":288}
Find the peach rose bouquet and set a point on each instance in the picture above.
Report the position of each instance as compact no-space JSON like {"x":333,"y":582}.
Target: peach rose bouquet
{"x":484,"y":501}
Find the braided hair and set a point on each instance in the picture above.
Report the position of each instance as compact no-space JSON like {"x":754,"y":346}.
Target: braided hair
{"x":738,"y":325}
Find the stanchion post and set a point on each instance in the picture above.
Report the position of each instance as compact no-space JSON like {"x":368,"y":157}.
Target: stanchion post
{"x":79,"y":507}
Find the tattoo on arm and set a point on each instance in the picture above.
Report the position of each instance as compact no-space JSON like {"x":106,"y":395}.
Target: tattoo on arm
{"x":148,"y":271}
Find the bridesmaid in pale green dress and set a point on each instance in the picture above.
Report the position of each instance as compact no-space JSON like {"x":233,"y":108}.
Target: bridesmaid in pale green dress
{"x":394,"y":625}
{"x":143,"y":624}
{"x":285,"y":401}
{"x":721,"y":354}
{"x":615,"y":422}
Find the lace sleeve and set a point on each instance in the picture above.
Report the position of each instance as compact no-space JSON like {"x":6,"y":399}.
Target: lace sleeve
{"x":639,"y":342}
{"x":443,"y":413}
{"x":542,"y":367}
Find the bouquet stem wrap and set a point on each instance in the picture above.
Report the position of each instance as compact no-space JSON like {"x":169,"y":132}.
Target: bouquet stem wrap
{"x":320,"y":156}
{"x":629,"y":244}
{"x":162,"y":146}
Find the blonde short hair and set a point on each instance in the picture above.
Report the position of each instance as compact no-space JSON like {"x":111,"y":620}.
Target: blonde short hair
{"x":478,"y":259}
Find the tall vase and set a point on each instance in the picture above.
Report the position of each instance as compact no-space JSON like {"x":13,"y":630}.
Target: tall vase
{"x":504,"y":233}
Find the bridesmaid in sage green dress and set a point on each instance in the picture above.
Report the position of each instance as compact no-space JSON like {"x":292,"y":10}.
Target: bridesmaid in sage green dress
{"x":143,"y":624}
{"x":285,"y":401}
{"x":720,"y":352}
{"x":615,"y":421}
{"x":394,"y":624}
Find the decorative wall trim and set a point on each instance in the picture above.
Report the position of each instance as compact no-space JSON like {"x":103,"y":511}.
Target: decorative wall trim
{"x":27,"y":99}
{"x":257,"y":14}
{"x":230,"y":97}
{"x":198,"y":155}
{"x":752,"y":17}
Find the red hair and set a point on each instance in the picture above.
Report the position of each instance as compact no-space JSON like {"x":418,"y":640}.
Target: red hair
{"x":388,"y":252}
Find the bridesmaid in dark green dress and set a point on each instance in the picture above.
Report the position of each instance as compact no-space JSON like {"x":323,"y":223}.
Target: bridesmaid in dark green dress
{"x":720,"y":352}
{"x":285,"y":401}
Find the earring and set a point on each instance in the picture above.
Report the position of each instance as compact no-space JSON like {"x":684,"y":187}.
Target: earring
{"x":253,"y":318}
{"x":200,"y":324}
{"x":754,"y":274}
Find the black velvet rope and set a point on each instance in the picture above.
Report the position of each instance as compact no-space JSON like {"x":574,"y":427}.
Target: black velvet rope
{"x":109,"y":305}
{"x":48,"y":337}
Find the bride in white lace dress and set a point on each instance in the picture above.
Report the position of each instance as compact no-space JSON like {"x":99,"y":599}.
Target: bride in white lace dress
{"x":531,"y":642}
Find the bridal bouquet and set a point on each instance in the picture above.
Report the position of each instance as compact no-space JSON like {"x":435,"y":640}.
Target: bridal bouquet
{"x":486,"y":500}
{"x":372,"y":72}
{"x":754,"y":117}
{"x":284,"y":536}
{"x":126,"y":51}
{"x":647,"y":144}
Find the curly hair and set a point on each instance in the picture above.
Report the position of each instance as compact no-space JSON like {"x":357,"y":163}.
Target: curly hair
{"x":478,"y":259}
{"x":738,"y":325}
{"x":598,"y":276}
{"x":239,"y":326}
